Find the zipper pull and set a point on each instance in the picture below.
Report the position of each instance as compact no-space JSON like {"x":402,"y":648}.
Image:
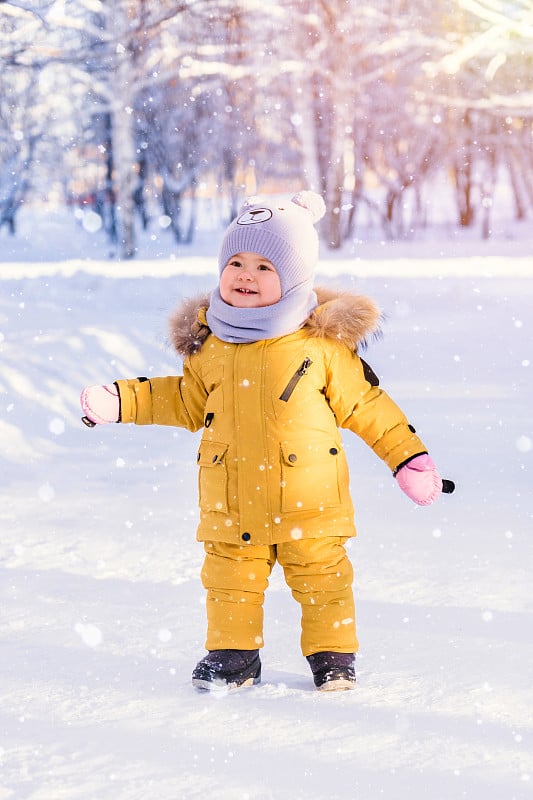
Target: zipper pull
{"x":305,"y":366}
{"x":291,"y":386}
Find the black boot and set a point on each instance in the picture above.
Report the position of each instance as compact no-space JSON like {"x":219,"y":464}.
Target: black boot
{"x":230,"y":669}
{"x":333,"y":671}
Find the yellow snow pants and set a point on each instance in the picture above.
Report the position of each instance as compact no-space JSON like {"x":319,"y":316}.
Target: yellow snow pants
{"x":319,"y":574}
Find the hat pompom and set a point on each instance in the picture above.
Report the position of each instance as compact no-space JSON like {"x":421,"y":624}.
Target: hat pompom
{"x":313,"y":202}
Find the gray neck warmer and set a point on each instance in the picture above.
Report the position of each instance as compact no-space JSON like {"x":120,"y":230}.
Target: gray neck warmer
{"x":245,"y":325}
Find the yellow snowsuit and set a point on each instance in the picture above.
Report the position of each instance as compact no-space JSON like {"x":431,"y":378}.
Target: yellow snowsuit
{"x":273,"y":477}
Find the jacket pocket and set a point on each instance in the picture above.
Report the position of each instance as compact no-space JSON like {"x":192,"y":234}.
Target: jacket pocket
{"x":310,"y":475}
{"x":213,"y":477}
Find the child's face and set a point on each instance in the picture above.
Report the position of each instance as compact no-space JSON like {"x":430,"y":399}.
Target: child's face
{"x":250,"y":281}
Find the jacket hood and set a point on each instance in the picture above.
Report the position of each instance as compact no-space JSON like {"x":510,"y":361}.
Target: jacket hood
{"x":342,"y":316}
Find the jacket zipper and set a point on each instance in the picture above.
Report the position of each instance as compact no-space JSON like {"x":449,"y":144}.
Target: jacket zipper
{"x":291,"y":386}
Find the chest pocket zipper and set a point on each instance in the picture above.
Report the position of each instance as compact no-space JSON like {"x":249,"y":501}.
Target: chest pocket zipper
{"x":291,"y":386}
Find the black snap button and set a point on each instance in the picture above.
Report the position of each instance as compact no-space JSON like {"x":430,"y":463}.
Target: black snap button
{"x":198,"y":457}
{"x":333,"y":451}
{"x":412,"y":428}
{"x":246,"y":537}
{"x":214,"y":459}
{"x":293,"y":458}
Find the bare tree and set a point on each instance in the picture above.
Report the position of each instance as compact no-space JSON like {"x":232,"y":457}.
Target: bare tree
{"x":485,"y":87}
{"x":364,"y":101}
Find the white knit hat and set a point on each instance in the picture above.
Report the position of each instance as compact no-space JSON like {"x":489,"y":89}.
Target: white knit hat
{"x":282,"y":232}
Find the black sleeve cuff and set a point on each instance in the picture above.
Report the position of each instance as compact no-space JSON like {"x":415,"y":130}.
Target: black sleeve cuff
{"x":407,"y":460}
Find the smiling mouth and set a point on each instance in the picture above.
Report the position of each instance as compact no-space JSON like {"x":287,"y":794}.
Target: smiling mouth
{"x":245,"y":291}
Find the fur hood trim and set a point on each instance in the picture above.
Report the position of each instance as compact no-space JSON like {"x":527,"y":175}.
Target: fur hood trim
{"x":342,"y":316}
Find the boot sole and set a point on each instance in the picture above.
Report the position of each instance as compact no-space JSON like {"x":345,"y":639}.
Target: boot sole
{"x":337,"y":685}
{"x":204,"y":685}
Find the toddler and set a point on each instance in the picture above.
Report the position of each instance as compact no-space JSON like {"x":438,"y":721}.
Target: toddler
{"x":271,"y":373}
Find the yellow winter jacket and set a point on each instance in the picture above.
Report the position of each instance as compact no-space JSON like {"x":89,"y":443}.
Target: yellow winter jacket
{"x":271,"y":460}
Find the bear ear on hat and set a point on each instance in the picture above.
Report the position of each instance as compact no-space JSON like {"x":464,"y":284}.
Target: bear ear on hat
{"x":249,"y":202}
{"x":311,"y":201}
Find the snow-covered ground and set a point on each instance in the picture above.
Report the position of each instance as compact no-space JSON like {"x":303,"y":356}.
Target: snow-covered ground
{"x":102,"y":613}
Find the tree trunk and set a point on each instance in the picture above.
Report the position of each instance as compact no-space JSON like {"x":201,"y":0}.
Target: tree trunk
{"x":463,"y":185}
{"x":334,"y":205}
{"x":109,"y":205}
{"x":125,"y":176}
{"x":123,"y":136}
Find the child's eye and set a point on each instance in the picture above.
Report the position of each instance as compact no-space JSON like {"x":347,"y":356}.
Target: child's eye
{"x":266,"y":267}
{"x":235,"y":263}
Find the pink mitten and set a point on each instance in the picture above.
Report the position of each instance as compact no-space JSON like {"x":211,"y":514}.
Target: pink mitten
{"x":101,"y":403}
{"x":420,"y":480}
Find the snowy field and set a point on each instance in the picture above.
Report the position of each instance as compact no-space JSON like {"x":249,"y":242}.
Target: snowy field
{"x":102,"y":614}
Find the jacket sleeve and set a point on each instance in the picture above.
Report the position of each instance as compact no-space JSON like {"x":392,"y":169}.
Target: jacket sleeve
{"x":360,"y":405}
{"x":177,"y":400}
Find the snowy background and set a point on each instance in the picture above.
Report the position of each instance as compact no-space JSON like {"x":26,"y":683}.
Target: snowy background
{"x":102,"y":616}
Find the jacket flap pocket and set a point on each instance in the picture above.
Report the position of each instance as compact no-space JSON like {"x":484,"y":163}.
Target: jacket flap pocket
{"x":310,"y":472}
{"x":211,"y":453}
{"x":308,"y":453}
